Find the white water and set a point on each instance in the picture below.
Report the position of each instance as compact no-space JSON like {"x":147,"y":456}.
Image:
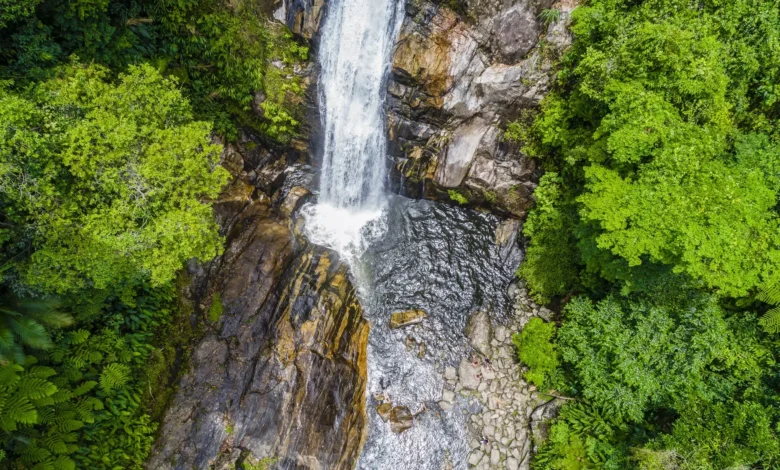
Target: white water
{"x":355,"y":55}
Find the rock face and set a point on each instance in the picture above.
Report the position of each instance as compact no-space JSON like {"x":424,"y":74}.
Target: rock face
{"x":457,"y":80}
{"x":282,"y":373}
{"x":303,"y":17}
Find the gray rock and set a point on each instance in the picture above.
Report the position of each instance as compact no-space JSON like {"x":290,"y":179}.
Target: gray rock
{"x":512,"y":464}
{"x":475,"y":457}
{"x":450,"y":373}
{"x":448,"y":396}
{"x":461,"y":151}
{"x":479,"y":331}
{"x":495,"y":457}
{"x":516,"y":32}
{"x":540,"y":419}
{"x":469,"y":375}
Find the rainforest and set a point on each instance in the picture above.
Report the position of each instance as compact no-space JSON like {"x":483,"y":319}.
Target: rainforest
{"x":389,"y":234}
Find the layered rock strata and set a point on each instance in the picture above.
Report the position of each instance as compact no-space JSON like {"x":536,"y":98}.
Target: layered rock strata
{"x":280,"y":372}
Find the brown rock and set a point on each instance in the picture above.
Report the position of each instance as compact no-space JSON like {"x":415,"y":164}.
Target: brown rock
{"x":407,"y":318}
{"x":287,"y":368}
{"x":401,"y":419}
{"x":384,"y":410}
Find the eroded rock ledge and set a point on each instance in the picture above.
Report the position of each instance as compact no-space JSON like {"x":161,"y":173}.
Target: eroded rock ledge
{"x":281,"y":370}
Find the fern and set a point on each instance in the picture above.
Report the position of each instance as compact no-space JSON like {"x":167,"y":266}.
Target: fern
{"x":23,"y":321}
{"x":114,"y":376}
{"x":770,"y":321}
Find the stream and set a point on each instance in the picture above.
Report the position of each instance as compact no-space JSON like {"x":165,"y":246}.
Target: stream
{"x":403,"y":254}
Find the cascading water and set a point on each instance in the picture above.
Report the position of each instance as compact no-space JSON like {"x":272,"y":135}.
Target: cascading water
{"x":355,"y":52}
{"x":438,"y":258}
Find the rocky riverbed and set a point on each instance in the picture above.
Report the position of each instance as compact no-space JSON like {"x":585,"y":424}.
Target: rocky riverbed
{"x":508,"y":414}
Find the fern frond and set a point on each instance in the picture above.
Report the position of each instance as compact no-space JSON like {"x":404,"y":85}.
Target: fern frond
{"x":35,"y":388}
{"x":34,"y":454}
{"x":20,"y":410}
{"x":770,"y":295}
{"x":79,"y":336}
{"x":770,"y":321}
{"x":31,"y":333}
{"x":114,"y":376}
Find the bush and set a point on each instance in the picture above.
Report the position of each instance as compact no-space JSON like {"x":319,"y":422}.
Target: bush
{"x":535,"y":349}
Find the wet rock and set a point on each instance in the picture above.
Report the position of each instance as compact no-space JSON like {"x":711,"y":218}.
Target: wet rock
{"x":455,"y":83}
{"x":469,"y":375}
{"x":450,"y":373}
{"x":383,"y":410}
{"x":506,"y":233}
{"x":303,"y":17}
{"x":401,"y":419}
{"x":407,"y":318}
{"x":479,"y":332}
{"x":291,"y":340}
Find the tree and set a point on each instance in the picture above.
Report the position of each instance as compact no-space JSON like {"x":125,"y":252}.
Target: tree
{"x":109,"y":183}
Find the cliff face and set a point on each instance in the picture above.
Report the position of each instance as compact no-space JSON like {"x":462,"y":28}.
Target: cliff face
{"x":458,"y":78}
{"x":281,"y":370}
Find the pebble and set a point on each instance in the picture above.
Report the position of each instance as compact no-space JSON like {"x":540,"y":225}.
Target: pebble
{"x":448,"y":395}
{"x":475,"y":457}
{"x":512,"y":464}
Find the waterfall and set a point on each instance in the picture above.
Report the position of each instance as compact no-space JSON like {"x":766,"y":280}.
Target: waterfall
{"x":355,"y":54}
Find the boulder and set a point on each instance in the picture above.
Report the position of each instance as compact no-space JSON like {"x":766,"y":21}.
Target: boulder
{"x":516,"y":32}
{"x":407,"y":318}
{"x":469,"y":375}
{"x":479,"y":332}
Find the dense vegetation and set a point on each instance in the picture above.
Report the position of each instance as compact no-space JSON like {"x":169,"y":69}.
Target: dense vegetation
{"x":656,"y":230}
{"x":108,"y":166}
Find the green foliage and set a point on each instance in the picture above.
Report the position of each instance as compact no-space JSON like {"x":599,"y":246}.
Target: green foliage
{"x":120,"y":172}
{"x":665,"y":143}
{"x":215,"y":310}
{"x":15,"y":10}
{"x":221,"y":52}
{"x":23,"y":322}
{"x":630,"y":356}
{"x":456,"y":196}
{"x":551,"y":264}
{"x":550,"y":15}
{"x":660,"y":208}
{"x":713,"y":436}
{"x":536,"y":350}
{"x":771,"y":319}
{"x":581,"y":438}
